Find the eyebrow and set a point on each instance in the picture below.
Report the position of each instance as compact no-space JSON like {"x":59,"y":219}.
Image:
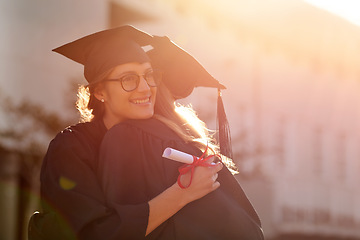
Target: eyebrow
{"x":129,"y":72}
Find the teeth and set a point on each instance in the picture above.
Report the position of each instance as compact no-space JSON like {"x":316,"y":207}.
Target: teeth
{"x":140,"y":101}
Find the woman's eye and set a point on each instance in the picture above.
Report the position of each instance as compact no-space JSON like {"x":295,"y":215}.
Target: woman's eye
{"x":129,"y":78}
{"x":149,"y":75}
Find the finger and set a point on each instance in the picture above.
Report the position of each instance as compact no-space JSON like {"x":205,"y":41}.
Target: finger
{"x":210,"y":160}
{"x":214,"y":177}
{"x":215,"y":185}
{"x":217,"y":167}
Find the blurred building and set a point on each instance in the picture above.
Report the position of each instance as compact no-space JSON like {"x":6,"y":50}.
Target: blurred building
{"x":292,"y":99}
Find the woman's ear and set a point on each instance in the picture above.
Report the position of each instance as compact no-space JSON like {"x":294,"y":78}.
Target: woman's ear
{"x":99,"y":93}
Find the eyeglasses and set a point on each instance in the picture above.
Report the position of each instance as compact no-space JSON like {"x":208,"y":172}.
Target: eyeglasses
{"x":130,"y":81}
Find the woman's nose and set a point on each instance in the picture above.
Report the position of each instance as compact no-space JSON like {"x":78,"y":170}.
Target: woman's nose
{"x":143,"y":85}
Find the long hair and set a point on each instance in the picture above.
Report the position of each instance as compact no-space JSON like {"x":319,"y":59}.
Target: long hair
{"x":89,"y":107}
{"x":182,"y":120}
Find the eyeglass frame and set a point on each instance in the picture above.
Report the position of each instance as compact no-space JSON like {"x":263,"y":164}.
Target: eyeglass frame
{"x":157,"y":82}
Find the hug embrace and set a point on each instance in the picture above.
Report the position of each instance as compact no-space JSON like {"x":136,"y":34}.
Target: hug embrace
{"x":105,"y":178}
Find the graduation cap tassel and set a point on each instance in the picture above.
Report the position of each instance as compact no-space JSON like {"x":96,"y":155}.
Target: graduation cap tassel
{"x":223,"y":129}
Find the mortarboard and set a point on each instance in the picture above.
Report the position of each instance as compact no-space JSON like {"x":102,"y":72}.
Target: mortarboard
{"x":101,"y":51}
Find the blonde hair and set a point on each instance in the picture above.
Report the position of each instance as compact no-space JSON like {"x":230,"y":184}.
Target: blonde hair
{"x":82,"y":104}
{"x":183,"y":120}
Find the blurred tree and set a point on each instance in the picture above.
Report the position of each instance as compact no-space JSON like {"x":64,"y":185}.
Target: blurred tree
{"x":25,"y":132}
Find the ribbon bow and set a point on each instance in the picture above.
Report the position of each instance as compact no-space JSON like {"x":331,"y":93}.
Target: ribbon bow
{"x":201,"y":161}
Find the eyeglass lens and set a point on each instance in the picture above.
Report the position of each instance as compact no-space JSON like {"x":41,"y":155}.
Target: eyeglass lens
{"x":131,"y":81}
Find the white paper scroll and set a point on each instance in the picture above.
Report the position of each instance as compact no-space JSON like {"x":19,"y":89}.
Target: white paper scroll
{"x":178,"y":156}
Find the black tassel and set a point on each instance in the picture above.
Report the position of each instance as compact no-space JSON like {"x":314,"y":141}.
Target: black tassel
{"x":223,"y":129}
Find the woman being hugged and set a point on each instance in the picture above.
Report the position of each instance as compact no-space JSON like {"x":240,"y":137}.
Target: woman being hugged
{"x":106,"y":178}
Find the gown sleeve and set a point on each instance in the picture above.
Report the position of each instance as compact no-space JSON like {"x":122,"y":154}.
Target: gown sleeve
{"x":71,"y":192}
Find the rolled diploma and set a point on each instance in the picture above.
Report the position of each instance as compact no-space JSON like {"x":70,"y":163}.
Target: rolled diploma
{"x":179,"y":156}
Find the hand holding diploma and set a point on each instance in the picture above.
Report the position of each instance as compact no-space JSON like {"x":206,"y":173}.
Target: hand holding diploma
{"x":190,"y":162}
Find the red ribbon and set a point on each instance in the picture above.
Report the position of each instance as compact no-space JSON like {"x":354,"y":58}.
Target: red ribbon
{"x":201,"y":161}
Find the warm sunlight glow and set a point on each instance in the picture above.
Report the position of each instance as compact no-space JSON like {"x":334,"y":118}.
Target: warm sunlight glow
{"x":348,"y":9}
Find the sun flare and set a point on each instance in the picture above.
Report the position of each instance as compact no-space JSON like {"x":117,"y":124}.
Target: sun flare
{"x":348,"y":9}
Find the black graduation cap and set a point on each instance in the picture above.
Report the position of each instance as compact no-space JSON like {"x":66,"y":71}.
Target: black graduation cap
{"x":101,"y":51}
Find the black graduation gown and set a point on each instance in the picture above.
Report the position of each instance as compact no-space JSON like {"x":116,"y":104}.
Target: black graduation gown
{"x":86,"y":197}
{"x":132,"y":171}
{"x":72,"y":197}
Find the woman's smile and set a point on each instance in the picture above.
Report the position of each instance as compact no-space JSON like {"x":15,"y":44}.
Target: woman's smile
{"x":141,"y":101}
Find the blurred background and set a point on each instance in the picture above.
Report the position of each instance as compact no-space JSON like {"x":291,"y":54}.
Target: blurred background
{"x":292,"y":73}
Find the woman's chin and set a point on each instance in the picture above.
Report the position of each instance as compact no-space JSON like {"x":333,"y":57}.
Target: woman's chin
{"x":144,"y":115}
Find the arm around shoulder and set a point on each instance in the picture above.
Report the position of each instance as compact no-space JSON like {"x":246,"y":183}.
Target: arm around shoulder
{"x":71,"y":190}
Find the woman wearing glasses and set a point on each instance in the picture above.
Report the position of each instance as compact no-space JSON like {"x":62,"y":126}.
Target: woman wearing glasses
{"x":106,"y":178}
